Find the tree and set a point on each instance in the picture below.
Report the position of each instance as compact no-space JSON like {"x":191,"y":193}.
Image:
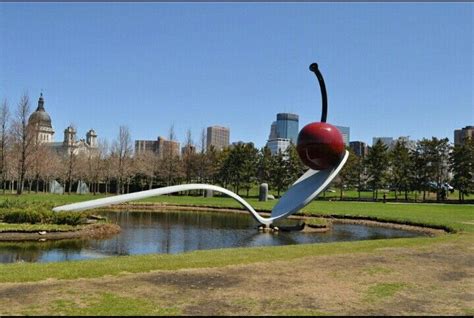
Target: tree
{"x":145,"y":167}
{"x":122,"y":150}
{"x":70,"y":159}
{"x":50,"y":169}
{"x":264,"y":165}
{"x":232,"y":169}
{"x":436,"y":160}
{"x":376,"y":163}
{"x":42,"y":159}
{"x":249,"y":166}
{"x":4,"y":118}
{"x":462,"y":166}
{"x":295,"y":167}
{"x":215,"y":160}
{"x":170,"y":166}
{"x":189,"y":159}
{"x":400,"y":167}
{"x":349,"y":175}
{"x":23,"y":140}
{"x":419,"y":172}
{"x":279,"y":178}
{"x":361,"y":176}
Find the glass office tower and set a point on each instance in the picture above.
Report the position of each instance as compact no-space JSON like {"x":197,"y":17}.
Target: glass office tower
{"x":287,"y":126}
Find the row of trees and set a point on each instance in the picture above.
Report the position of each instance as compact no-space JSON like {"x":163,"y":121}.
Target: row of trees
{"x":431,"y":166}
{"x":28,"y":164}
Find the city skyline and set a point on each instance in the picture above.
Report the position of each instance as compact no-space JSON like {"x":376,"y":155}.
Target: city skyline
{"x":274,"y":141}
{"x":150,"y":66}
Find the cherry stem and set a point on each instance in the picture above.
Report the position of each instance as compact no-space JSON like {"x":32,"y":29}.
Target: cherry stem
{"x":314,"y":68}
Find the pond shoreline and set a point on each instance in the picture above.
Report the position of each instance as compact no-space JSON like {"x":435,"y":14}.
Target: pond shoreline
{"x":91,"y":231}
{"x":164,"y":207}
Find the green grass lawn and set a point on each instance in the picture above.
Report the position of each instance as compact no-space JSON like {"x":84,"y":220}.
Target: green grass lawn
{"x":24,"y":272}
{"x":28,"y":228}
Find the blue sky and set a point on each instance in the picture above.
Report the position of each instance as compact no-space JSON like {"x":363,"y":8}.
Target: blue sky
{"x":390,"y":69}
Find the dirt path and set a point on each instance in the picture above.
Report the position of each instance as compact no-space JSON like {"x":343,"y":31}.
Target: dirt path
{"x":438,"y":279}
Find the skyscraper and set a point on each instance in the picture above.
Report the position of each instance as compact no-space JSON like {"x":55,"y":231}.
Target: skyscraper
{"x":360,"y":148}
{"x":273,"y":131}
{"x":218,"y":137}
{"x":461,"y":134}
{"x":278,"y":145}
{"x":346,"y":134}
{"x":287,"y":126}
{"x":161,"y":147}
{"x":167,"y":148}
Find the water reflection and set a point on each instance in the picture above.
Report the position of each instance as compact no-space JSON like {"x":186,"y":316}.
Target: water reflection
{"x":148,"y":232}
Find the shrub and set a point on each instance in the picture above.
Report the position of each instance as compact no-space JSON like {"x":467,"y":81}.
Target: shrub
{"x":15,"y":211}
{"x":30,"y":215}
{"x":69,"y":218}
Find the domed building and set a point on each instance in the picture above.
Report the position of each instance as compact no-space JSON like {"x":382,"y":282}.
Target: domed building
{"x":41,"y":121}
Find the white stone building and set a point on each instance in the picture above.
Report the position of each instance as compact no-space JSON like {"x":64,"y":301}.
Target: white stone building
{"x":44,"y":132}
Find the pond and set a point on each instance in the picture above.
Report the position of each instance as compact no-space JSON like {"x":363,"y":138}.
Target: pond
{"x":177,"y":232}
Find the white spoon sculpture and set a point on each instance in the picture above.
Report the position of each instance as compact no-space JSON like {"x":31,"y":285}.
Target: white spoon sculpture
{"x":302,"y":192}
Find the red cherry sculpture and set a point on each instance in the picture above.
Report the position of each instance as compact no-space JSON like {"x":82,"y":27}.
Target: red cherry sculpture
{"x":320,"y":145}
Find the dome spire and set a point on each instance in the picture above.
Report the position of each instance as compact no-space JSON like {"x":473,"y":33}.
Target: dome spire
{"x":40,"y":103}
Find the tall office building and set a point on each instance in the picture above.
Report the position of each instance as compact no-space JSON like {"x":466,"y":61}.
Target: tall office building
{"x":278,"y":145}
{"x":287,"y":126}
{"x":273,"y":131}
{"x":218,"y":137}
{"x":161,"y":147}
{"x":142,"y":146}
{"x":461,"y":134}
{"x":360,"y":148}
{"x":346,"y":134}
{"x":167,"y":147}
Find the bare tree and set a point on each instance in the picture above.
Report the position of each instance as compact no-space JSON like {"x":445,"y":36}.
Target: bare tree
{"x":170,"y":169}
{"x":189,"y":158}
{"x":71,"y":158}
{"x":23,"y":140}
{"x":40,"y":163}
{"x":203,"y":140}
{"x":4,"y":118}
{"x":123,"y":152}
{"x":96,"y":164}
{"x":104,"y":171}
{"x":144,"y":167}
{"x":50,"y":169}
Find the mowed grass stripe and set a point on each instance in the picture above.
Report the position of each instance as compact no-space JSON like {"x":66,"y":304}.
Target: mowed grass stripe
{"x":25,"y":272}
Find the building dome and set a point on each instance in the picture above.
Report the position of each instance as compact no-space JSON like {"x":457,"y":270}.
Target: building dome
{"x":40,"y":116}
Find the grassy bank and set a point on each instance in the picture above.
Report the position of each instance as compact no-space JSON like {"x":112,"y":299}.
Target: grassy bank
{"x":31,"y":228}
{"x":24,"y":272}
